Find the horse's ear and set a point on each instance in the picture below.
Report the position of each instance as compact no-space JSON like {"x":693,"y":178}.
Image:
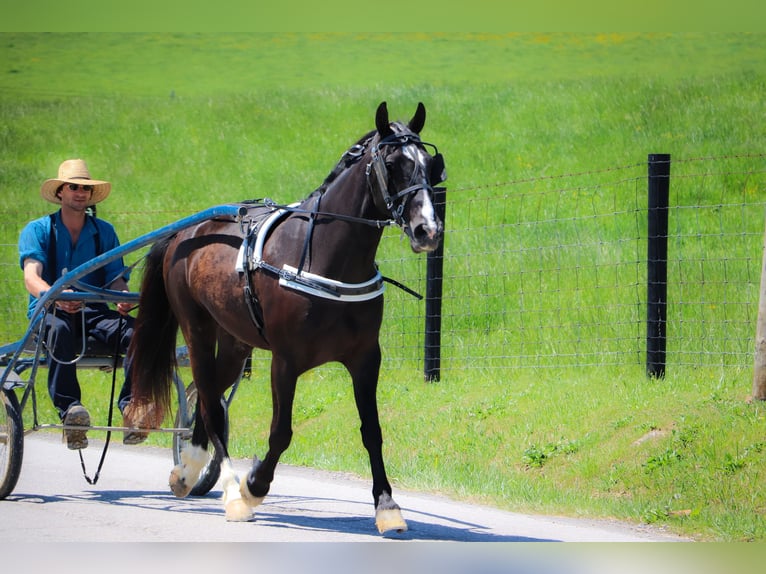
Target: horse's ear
{"x":381,"y":121}
{"x":418,"y":120}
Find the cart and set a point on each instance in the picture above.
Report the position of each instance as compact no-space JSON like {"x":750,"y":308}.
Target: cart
{"x":21,"y":360}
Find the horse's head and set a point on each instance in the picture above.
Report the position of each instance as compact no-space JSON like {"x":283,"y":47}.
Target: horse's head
{"x":402,"y":175}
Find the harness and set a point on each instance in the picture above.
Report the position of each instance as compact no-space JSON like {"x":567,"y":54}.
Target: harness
{"x":250,"y":255}
{"x":251,"y":258}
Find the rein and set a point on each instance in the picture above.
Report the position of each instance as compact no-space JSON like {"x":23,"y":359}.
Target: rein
{"x":378,"y":167}
{"x":377,"y":223}
{"x":115,"y":366}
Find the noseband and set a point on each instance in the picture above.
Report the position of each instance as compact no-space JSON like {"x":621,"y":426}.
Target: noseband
{"x":418,"y":180}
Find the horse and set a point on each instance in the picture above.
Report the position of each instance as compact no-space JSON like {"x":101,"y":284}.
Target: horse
{"x":297,"y":280}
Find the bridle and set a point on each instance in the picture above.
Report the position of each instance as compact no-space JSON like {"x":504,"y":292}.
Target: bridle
{"x":392,"y":203}
{"x":419,"y":180}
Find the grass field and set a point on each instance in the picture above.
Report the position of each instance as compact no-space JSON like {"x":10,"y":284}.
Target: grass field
{"x":183,"y":122}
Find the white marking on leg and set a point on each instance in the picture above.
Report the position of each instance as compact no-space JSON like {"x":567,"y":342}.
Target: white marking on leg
{"x":194,"y":458}
{"x":236,"y":509}
{"x":185,"y":475}
{"x":229,"y":482}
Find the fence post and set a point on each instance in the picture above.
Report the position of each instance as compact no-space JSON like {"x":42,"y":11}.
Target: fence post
{"x":759,"y":369}
{"x":434,"y":276}
{"x":657,"y":263}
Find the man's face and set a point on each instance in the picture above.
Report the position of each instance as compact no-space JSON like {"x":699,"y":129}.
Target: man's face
{"x":75,"y":196}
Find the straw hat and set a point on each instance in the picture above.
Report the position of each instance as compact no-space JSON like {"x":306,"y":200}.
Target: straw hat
{"x":75,"y":171}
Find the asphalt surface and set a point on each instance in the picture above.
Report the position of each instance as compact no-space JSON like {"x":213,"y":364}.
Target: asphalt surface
{"x":131,"y":502}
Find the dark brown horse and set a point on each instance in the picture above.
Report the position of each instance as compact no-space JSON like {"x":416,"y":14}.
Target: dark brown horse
{"x":300,"y":281}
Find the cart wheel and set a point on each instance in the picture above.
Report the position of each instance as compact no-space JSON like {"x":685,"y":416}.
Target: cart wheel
{"x":185,"y":419}
{"x":11,"y":442}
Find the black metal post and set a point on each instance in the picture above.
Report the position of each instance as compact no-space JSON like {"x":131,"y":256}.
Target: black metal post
{"x":434,"y":281}
{"x":657,"y":264}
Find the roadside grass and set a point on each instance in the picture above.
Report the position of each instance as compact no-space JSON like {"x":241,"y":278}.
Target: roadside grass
{"x":177,"y":131}
{"x":686,"y":453}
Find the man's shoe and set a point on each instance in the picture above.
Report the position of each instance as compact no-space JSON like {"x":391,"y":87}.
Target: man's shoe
{"x":76,"y":416}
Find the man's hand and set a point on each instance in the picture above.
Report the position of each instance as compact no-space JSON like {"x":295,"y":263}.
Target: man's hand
{"x":124,"y":308}
{"x":69,"y":306}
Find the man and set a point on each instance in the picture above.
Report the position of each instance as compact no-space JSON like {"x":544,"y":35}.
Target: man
{"x":61,"y":241}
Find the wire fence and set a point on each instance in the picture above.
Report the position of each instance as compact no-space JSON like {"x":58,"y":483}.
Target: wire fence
{"x":551,"y":271}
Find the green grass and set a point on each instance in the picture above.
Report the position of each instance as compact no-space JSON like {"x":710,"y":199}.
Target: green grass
{"x":183,"y":122}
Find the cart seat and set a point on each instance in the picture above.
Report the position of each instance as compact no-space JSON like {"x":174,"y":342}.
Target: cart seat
{"x":97,"y":354}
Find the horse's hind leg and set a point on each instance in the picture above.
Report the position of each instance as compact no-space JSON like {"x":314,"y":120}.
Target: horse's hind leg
{"x":230,"y":360}
{"x":364,"y":373}
{"x":194,"y":457}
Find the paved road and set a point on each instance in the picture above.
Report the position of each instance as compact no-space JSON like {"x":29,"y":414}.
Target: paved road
{"x":131,"y":502}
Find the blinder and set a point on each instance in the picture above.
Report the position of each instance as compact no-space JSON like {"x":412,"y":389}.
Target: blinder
{"x":438,"y":171}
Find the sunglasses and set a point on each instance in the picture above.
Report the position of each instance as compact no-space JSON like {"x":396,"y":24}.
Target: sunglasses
{"x":74,"y":186}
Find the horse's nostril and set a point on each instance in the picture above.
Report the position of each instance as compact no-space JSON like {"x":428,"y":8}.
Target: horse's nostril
{"x":421,"y":232}
{"x":427,"y":235}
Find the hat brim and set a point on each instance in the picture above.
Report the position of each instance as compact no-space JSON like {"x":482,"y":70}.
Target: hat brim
{"x":101,"y":189}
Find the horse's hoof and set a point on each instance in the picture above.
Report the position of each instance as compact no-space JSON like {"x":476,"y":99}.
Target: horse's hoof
{"x":388,"y":515}
{"x":247,"y":496}
{"x":237,"y":510}
{"x":390,"y":520}
{"x":177,"y":483}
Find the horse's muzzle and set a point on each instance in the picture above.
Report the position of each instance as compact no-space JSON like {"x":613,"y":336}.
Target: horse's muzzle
{"x":426,"y":236}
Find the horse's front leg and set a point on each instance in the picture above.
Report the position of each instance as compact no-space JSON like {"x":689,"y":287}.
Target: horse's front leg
{"x":255,"y":486}
{"x":388,"y":515}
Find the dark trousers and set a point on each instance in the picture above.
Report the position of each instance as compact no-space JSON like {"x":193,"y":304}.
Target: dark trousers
{"x":64,"y":340}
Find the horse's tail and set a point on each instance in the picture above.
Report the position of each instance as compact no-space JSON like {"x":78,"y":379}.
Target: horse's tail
{"x":152,"y":350}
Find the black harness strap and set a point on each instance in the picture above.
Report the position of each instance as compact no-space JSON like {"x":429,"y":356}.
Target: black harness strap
{"x":309,"y":234}
{"x":253,"y":304}
{"x":52,"y":250}
{"x":403,"y":287}
{"x":52,"y":245}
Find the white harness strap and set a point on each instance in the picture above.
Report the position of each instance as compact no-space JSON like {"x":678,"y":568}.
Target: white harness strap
{"x":303,"y":281}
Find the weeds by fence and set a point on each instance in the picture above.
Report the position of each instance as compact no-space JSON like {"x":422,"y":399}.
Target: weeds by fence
{"x":551,"y":271}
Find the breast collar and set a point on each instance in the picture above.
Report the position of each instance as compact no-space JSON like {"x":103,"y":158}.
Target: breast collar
{"x":250,"y":258}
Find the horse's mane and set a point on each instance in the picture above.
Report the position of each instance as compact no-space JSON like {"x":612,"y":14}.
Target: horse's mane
{"x":346,"y":160}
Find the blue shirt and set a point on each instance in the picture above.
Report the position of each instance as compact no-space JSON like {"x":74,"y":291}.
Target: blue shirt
{"x":35,"y":240}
